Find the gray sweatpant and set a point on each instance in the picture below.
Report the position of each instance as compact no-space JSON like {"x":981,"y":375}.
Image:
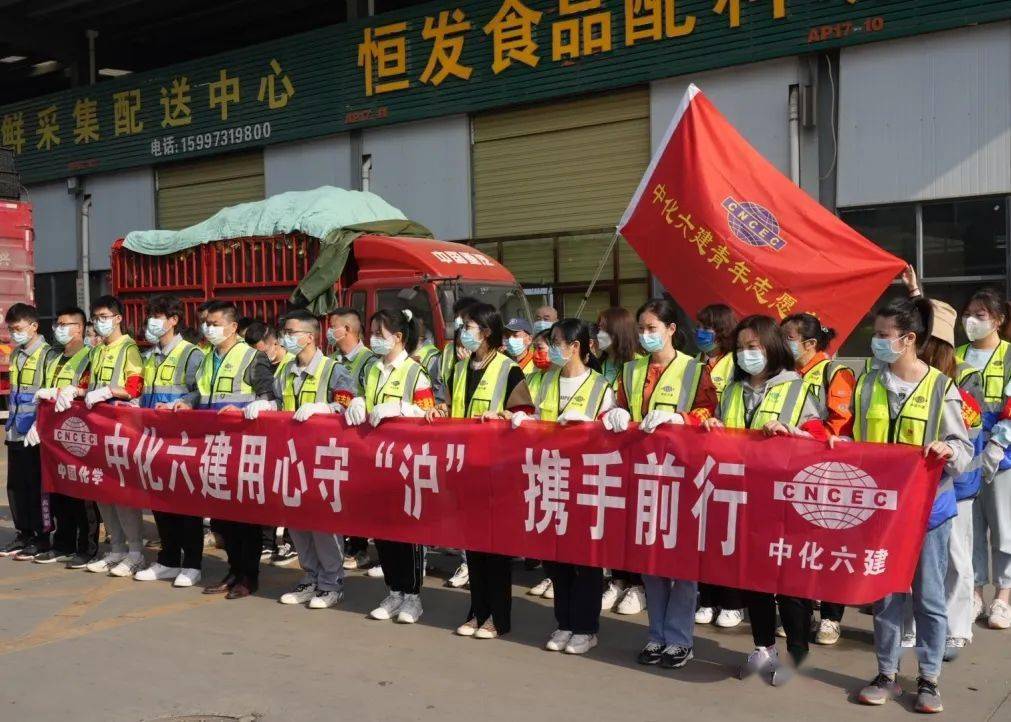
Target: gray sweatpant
{"x":321,"y":556}
{"x":991,"y":532}
{"x":125,"y":526}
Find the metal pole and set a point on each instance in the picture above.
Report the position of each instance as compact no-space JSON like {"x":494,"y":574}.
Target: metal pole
{"x":596,"y":276}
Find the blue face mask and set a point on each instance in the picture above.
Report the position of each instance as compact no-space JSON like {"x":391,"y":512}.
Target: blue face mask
{"x":515,"y":346}
{"x":291,"y":343}
{"x":751,"y":361}
{"x":542,"y":326}
{"x":705,"y":339}
{"x":650,"y":342}
{"x":556,"y":356}
{"x":883,"y":351}
{"x":796,"y":349}
{"x":469,"y":340}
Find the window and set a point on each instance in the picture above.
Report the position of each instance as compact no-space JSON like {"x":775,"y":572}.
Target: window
{"x":413,"y":298}
{"x":358,"y":304}
{"x":960,"y":245}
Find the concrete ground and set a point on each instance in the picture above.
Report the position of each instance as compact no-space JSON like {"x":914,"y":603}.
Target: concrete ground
{"x":79,"y":646}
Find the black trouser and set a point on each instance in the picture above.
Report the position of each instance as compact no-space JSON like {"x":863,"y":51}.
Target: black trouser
{"x":491,"y":589}
{"x":794,"y":614}
{"x":832,"y":611}
{"x":242,"y":546}
{"x":632,"y":579}
{"x":577,"y":596}
{"x":403,"y":566}
{"x":270,"y":537}
{"x":76,"y":525}
{"x":182,"y":540}
{"x":713,"y":595}
{"x":29,"y":506}
{"x":354,"y":545}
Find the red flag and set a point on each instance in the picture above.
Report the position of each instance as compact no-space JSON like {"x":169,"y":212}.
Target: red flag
{"x":717,"y":223}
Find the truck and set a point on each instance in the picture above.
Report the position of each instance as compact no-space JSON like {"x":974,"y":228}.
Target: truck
{"x":17,"y":276}
{"x":260,"y":274}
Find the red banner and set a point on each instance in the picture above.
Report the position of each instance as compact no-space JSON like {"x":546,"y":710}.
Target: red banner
{"x":717,"y":223}
{"x":732,"y":508}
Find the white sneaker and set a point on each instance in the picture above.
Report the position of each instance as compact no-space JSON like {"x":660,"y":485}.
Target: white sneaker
{"x":375,"y":571}
{"x":729,"y":618}
{"x":486,"y":630}
{"x":325,"y":598}
{"x":411,"y":610}
{"x":128,"y":566}
{"x":356,"y":561}
{"x":828,"y":632}
{"x":103,"y":565}
{"x":559,"y":641}
{"x":549,"y":593}
{"x":301,"y":594}
{"x":460,"y":577}
{"x":908,"y":640}
{"x":760,"y":660}
{"x":468,"y":628}
{"x":1000,"y":615}
{"x":611,"y":595}
{"x":538,"y":589}
{"x":187,"y":578}
{"x":634,"y":601}
{"x":155,"y":572}
{"x":389,"y":607}
{"x":581,"y":643}
{"x":705,"y":615}
{"x":977,"y":606}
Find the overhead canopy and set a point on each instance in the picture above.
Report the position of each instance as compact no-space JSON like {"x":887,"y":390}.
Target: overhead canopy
{"x":317,"y":213}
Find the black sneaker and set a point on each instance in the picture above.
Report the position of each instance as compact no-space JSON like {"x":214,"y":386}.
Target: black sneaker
{"x":674,"y":657}
{"x":651,"y":654}
{"x":79,"y":561}
{"x":284,"y":555}
{"x":52,"y":557}
{"x":928,"y":698}
{"x":14,"y":546}
{"x":29,"y":552}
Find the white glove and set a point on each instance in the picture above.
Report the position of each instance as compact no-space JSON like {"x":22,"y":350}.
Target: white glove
{"x":617,"y":420}
{"x":32,"y":437}
{"x":46,"y":395}
{"x":569,"y":417}
{"x":252,"y":411}
{"x":307,"y":411}
{"x":518,"y":418}
{"x":654,"y":418}
{"x":355,"y":415}
{"x":65,"y":398}
{"x":993,"y":454}
{"x":98,"y":396}
{"x":384,"y":411}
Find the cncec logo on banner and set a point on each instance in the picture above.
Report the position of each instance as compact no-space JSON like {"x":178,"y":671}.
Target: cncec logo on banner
{"x":75,"y":436}
{"x":753,"y":224}
{"x":834,"y":495}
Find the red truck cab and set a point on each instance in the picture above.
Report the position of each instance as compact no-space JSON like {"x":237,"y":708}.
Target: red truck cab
{"x":17,"y":273}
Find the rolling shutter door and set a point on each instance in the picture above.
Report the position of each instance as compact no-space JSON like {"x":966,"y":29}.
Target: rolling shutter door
{"x":192,"y":192}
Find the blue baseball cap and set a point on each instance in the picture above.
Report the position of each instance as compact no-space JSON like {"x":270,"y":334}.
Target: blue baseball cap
{"x":520,"y":324}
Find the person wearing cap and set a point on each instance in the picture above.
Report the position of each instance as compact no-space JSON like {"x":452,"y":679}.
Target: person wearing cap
{"x":518,"y":337}
{"x":544,"y":318}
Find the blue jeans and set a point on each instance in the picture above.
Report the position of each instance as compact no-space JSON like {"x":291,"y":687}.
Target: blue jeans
{"x":670,"y":604}
{"x":929,"y":611}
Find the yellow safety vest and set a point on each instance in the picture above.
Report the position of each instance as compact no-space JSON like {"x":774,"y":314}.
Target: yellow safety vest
{"x":587,"y":400}
{"x":675,"y":390}
{"x":228,"y":386}
{"x":996,"y":375}
{"x":165,"y":382}
{"x":490,"y":392}
{"x":534,"y":382}
{"x":315,"y":388}
{"x":425,"y":354}
{"x":65,"y":371}
{"x":919,"y":420}
{"x":820,"y":376}
{"x":279,"y":371}
{"x":447,"y":360}
{"x":26,"y":379}
{"x":783,"y":402}
{"x":108,"y":363}
{"x":399,"y":385}
{"x":722,"y":372}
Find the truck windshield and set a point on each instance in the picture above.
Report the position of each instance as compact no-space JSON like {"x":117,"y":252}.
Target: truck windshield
{"x":508,"y":299}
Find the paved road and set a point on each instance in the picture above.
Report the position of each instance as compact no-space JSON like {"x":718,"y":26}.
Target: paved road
{"x":79,"y":646}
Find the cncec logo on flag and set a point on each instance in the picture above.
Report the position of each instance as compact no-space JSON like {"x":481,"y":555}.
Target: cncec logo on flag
{"x":753,"y":224}
{"x":75,"y":436}
{"x":834,"y":495}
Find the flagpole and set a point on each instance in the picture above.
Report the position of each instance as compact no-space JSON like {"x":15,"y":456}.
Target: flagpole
{"x":596,"y":276}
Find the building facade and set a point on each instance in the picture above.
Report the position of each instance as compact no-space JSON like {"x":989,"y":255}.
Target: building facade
{"x":524,"y":128}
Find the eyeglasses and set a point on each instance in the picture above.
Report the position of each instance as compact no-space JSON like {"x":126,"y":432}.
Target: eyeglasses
{"x":109,"y":317}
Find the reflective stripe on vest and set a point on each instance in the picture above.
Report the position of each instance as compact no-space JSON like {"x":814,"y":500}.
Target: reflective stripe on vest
{"x":284,"y":362}
{"x":424,"y":355}
{"x":228,"y":386}
{"x":165,"y":382}
{"x":675,"y":390}
{"x":108,"y":362}
{"x":447,"y":360}
{"x":996,"y":375}
{"x":919,"y":420}
{"x":26,"y":379}
{"x":587,"y":400}
{"x":820,"y":376}
{"x":70,"y":371}
{"x":490,"y":392}
{"x":783,"y":402}
{"x":315,"y":388}
{"x":722,"y":373}
{"x":359,"y":367}
{"x":399,"y":385}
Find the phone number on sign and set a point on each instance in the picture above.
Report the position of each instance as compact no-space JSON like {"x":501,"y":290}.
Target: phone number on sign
{"x":171,"y":145}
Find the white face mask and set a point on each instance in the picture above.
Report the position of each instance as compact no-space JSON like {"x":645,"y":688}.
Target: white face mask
{"x":62,"y":334}
{"x":215,"y":335}
{"x":976,"y":328}
{"x":603,"y":340}
{"x":104,"y":327}
{"x":380,"y":345}
{"x":156,"y":328}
